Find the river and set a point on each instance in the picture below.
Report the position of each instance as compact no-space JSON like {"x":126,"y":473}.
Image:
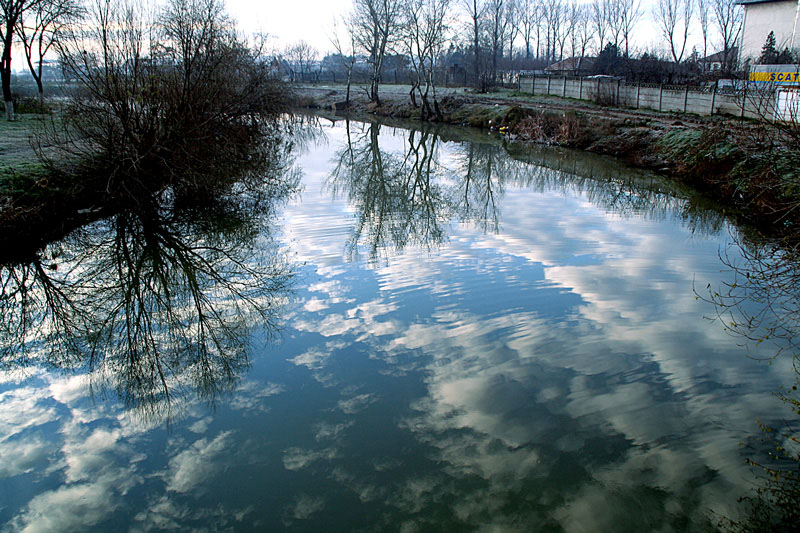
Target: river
{"x":423,"y":333}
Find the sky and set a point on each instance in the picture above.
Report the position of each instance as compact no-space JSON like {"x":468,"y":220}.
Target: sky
{"x":290,"y":21}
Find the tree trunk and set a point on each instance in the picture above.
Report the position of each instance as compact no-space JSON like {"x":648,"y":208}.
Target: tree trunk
{"x":349,"y":78}
{"x":5,"y":74}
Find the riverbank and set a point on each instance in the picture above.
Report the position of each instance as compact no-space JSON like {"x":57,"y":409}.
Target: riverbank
{"x":745,"y":165}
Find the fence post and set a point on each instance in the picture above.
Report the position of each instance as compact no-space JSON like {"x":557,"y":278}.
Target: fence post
{"x":548,"y":85}
{"x":533,"y":84}
{"x":564,"y":92}
{"x":660,"y":95}
{"x":580,"y":89}
{"x":617,"y":97}
{"x":686,"y":99}
{"x":713,"y":98}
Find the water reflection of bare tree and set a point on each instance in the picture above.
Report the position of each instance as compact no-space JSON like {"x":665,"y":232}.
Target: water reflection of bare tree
{"x":761,"y":303}
{"x":398,"y":199}
{"x":622,"y":191}
{"x":480,"y":173}
{"x":411,"y":197}
{"x":761,"y":306}
{"x":151,"y":302}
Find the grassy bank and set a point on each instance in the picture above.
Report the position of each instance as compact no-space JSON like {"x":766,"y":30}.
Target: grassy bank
{"x":38,"y":201}
{"x":744,"y":165}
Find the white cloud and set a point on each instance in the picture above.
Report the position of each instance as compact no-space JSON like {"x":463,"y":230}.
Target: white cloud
{"x":298,"y":458}
{"x":23,"y":408}
{"x":305,"y":506}
{"x":21,"y":456}
{"x":357,"y":404}
{"x":195,"y":465}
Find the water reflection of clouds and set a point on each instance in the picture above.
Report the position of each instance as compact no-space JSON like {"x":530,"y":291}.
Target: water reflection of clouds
{"x":549,"y":398}
{"x":191,"y":468}
{"x":511,"y":392}
{"x":99,"y":453}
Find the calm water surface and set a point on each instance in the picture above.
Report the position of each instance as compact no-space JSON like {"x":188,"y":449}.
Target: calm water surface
{"x":455,"y":340}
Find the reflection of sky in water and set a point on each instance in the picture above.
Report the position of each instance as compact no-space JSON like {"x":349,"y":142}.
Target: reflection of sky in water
{"x":557,"y":374}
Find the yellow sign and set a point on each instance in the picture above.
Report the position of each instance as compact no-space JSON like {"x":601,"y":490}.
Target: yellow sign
{"x":791,"y":77}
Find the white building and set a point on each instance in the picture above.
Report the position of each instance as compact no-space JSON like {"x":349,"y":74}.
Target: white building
{"x":764,"y":16}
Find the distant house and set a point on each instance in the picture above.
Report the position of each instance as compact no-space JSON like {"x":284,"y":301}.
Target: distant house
{"x":574,"y":66}
{"x":764,"y":16}
{"x":716,"y":62}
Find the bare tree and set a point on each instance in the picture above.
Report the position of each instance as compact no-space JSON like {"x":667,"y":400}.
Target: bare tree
{"x":703,"y":8}
{"x":674,"y":17}
{"x":346,"y":50}
{"x":630,"y":14}
{"x":555,"y":15}
{"x":300,"y":57}
{"x":614,"y":20}
{"x":171,"y":97}
{"x":375,"y":23}
{"x":582,"y":29}
{"x":423,"y":37}
{"x":510,"y":27}
{"x":12,"y":13}
{"x":600,"y":10}
{"x":495,"y":14}
{"x":528,"y":20}
{"x":39,"y":31}
{"x":728,"y":20}
{"x":475,"y":11}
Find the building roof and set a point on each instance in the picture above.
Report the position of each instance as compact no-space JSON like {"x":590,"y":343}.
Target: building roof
{"x":720,"y":56}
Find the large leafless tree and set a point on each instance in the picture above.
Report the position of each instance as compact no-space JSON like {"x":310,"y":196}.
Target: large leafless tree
{"x":376,"y":24}
{"x":40,"y":29}
{"x":582,"y":32}
{"x":475,"y":11}
{"x":600,"y":16}
{"x":674,"y":18}
{"x":528,"y":21}
{"x":555,"y":14}
{"x":510,"y":26}
{"x":424,"y":33}
{"x":344,"y":42}
{"x":12,"y":13}
{"x":495,"y":10}
{"x":300,"y":57}
{"x":703,"y":11}
{"x":728,"y":21}
{"x":630,"y":14}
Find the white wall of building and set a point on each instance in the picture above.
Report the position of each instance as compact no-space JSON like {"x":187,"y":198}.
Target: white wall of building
{"x":761,"y":18}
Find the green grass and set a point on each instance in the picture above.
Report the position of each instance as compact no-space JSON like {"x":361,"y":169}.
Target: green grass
{"x":17,"y":155}
{"x":20,"y":167}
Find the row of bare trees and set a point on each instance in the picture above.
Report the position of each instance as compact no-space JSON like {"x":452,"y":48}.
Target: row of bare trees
{"x":418,"y":29}
{"x":489,"y":30}
{"x":37,"y":25}
{"x":675,"y":19}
